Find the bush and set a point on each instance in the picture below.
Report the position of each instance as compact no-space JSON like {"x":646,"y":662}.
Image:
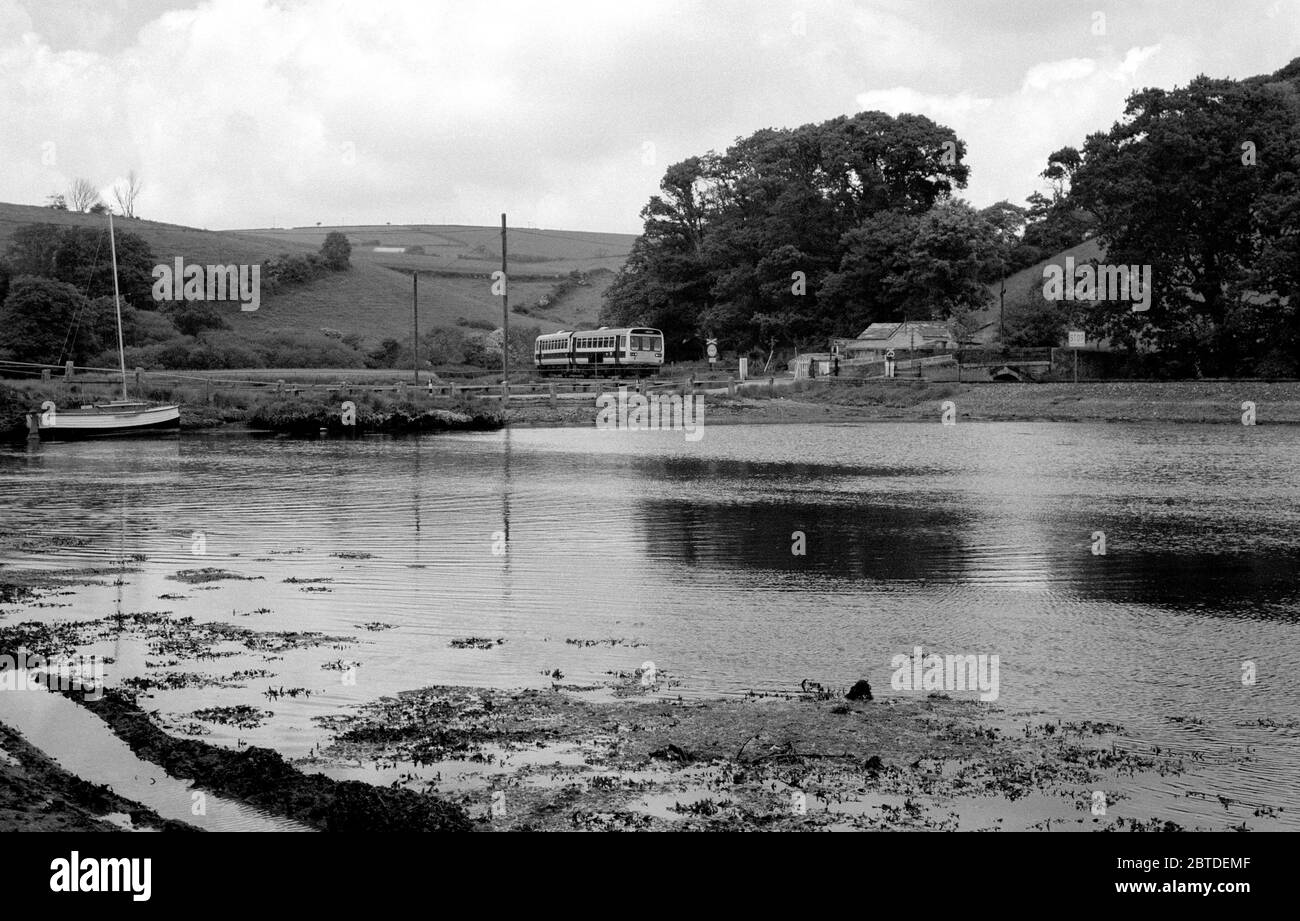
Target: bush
{"x":37,"y":320}
{"x":390,"y":354}
{"x":336,"y":251}
{"x":193,"y":317}
{"x":443,"y":346}
{"x":308,"y":349}
{"x":146,"y":327}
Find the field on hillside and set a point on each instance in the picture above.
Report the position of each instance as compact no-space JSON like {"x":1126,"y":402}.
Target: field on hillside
{"x":373,"y":299}
{"x":167,"y":240}
{"x":465,"y":249}
{"x":456,"y":268}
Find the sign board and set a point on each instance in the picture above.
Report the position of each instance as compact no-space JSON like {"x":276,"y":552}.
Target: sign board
{"x":712,"y":350}
{"x":1077,"y":339}
{"x":889,"y":356}
{"x":744,"y":368}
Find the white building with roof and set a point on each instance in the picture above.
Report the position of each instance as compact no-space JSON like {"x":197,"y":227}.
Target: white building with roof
{"x":878,"y":338}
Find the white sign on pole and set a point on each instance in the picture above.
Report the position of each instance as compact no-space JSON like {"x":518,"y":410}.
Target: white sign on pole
{"x":744,"y":368}
{"x":1077,"y":339}
{"x":712,"y":350}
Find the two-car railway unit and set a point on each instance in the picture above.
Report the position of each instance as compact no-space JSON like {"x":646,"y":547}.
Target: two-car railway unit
{"x":601,"y":352}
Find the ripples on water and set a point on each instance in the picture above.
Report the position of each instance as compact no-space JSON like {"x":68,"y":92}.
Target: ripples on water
{"x":971,"y":538}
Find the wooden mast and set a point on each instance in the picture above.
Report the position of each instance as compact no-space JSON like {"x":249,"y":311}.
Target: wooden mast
{"x":117,"y":304}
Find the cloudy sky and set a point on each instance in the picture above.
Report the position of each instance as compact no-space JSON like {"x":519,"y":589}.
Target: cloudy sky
{"x":244,"y":113}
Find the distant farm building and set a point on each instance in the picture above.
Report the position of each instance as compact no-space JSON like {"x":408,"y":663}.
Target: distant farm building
{"x":878,"y":338}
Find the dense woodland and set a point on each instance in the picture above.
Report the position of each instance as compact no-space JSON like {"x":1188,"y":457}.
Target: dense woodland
{"x":791,"y":236}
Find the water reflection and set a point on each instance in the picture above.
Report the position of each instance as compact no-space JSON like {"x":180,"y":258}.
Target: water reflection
{"x":972,"y":538}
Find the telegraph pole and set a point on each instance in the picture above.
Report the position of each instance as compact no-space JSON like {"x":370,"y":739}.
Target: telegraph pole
{"x":505,"y":324}
{"x":415,"y":323}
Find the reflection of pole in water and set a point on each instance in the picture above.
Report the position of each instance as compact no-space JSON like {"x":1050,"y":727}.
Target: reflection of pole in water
{"x":415,"y":494}
{"x":121,"y":571}
{"x":505,"y":521}
{"x":505,"y":490}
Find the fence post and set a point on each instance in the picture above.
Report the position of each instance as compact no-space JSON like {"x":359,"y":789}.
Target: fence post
{"x":551,"y":387}
{"x":45,"y":374}
{"x":67,"y":371}
{"x":731,"y":386}
{"x":139,"y":377}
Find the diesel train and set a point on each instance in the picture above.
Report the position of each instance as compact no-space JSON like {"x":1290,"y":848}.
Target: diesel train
{"x":603,"y":352}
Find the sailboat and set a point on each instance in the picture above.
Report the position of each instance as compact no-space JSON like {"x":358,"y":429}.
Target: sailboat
{"x":99,"y":420}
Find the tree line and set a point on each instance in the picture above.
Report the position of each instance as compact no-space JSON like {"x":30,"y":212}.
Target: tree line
{"x":792,"y":236}
{"x":56,"y":305}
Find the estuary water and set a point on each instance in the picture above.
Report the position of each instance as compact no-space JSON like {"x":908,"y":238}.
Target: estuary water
{"x":746,"y":561}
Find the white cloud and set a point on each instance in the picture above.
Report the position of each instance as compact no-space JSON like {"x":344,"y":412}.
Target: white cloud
{"x":248,"y":112}
{"x":1009,"y":137}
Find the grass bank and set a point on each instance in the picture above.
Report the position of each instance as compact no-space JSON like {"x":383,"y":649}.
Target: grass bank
{"x":286,"y":413}
{"x":1275,"y":402}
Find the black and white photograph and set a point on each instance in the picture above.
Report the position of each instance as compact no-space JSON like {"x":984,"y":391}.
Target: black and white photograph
{"x":868,"y":416}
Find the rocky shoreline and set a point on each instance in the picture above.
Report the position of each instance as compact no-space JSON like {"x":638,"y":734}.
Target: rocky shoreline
{"x":1191,"y":402}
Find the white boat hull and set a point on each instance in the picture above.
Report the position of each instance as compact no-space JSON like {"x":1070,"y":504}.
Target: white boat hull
{"x":110,"y":420}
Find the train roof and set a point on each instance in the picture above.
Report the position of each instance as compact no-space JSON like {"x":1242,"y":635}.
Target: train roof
{"x":643,"y":330}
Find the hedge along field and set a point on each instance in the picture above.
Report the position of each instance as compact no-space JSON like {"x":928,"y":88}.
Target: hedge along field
{"x":372,"y":301}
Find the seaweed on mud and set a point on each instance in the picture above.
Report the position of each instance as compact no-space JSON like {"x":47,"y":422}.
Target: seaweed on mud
{"x":277,"y":693}
{"x":15,"y":594}
{"x":209,"y":574}
{"x":262,"y":778}
{"x":175,"y":681}
{"x":241,"y":716}
{"x":43,"y":639}
{"x":476,"y":642}
{"x":741,"y":754}
{"x":607,"y":642}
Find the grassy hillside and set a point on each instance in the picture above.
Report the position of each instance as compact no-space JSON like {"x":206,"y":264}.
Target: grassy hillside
{"x":456,"y":268}
{"x":373,"y":300}
{"x":1022,"y":285}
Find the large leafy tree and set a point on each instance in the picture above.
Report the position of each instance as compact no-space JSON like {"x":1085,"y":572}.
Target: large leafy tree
{"x":48,"y":322}
{"x":82,"y":257}
{"x":1198,"y":183}
{"x":740,"y":244}
{"x":336,"y":251}
{"x":935,"y":265}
